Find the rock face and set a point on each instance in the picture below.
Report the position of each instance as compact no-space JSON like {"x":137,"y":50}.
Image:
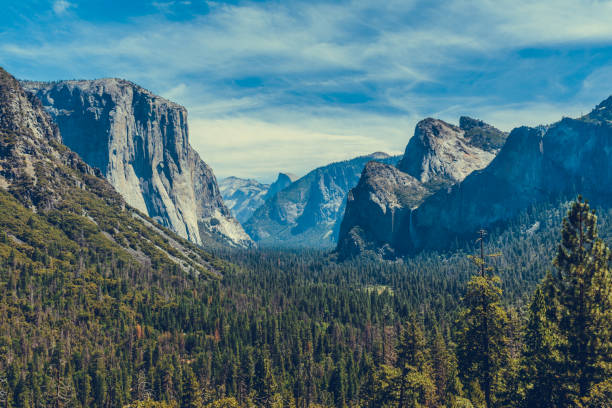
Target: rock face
{"x":380,"y":208}
{"x":244,"y":196}
{"x":308,"y":212}
{"x":64,"y":194}
{"x":536,"y":166}
{"x":443,"y":154}
{"x":140,"y":143}
{"x":283,"y":181}
{"x":376,"y":207}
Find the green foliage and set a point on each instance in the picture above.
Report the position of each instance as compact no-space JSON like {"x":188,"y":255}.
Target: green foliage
{"x":482,"y":341}
{"x":81,"y":315}
{"x":569,"y":339}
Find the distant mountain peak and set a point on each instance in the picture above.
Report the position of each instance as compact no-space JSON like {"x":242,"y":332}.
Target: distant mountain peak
{"x":286,"y":176}
{"x":602,"y":112}
{"x":377,"y":155}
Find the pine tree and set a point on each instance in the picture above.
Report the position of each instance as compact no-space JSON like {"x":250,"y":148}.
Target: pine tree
{"x":192,"y":393}
{"x":482,"y":347}
{"x":444,"y":371}
{"x":265,"y":384}
{"x":540,"y":357}
{"x":338,"y":384}
{"x":416,"y":388}
{"x":583,"y":287}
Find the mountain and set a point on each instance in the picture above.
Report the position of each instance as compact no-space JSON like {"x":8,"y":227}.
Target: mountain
{"x":443,"y":154}
{"x":536,"y":166}
{"x":140,"y":143}
{"x":379,"y":209}
{"x":308,"y":212}
{"x":282,"y":181}
{"x":58,"y":210}
{"x":244,"y":196}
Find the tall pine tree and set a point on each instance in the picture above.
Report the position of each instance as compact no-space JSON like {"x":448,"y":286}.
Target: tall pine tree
{"x":482,"y":347}
{"x":583,"y":289}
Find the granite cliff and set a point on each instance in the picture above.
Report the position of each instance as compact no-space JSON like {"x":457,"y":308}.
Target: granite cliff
{"x":536,"y":166}
{"x":140,"y":143}
{"x":438,"y":156}
{"x":54,"y":203}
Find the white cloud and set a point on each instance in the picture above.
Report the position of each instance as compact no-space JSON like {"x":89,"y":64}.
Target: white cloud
{"x":305,"y":48}
{"x":61,"y":6}
{"x":246,"y":147}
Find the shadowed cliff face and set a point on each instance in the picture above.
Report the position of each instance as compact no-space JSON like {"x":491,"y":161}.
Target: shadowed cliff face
{"x":534,"y":166}
{"x":379,"y":215}
{"x":140,"y":143}
{"x":376,"y":207}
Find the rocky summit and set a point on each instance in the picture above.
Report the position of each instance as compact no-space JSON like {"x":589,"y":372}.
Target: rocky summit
{"x":140,"y":142}
{"x":380,"y":208}
{"x":244,"y":196}
{"x":308,"y":212}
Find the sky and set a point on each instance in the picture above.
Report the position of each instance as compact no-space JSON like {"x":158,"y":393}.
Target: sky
{"x":292,"y":85}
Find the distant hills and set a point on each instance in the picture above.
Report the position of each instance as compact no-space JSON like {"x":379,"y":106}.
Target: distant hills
{"x":308,"y":212}
{"x":244,"y":196}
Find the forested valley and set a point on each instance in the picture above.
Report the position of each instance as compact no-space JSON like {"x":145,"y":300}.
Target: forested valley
{"x":527,"y":324}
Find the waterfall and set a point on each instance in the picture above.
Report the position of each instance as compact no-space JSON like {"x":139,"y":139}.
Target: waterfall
{"x":411,"y":231}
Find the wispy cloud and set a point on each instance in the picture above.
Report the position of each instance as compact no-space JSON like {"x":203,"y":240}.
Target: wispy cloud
{"x":274,"y":77}
{"x":61,"y":6}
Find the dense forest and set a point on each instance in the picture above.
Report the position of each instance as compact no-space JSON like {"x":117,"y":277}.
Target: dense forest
{"x":523,"y":317}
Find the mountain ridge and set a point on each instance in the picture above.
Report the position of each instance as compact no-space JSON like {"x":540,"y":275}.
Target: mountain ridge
{"x":536,"y":165}
{"x":308,"y":212}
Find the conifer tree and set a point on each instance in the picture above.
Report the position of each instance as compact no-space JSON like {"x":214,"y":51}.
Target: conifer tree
{"x":583,"y":290}
{"x":540,"y":356}
{"x":192,"y":393}
{"x":265,"y":383}
{"x":444,"y":370}
{"x":482,"y":347}
{"x":416,"y":388}
{"x":338,"y":384}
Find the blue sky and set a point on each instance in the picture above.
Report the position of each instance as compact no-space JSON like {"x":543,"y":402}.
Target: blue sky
{"x":287,"y":86}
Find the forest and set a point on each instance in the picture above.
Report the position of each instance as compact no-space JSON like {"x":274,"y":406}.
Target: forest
{"x":522,"y":317}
